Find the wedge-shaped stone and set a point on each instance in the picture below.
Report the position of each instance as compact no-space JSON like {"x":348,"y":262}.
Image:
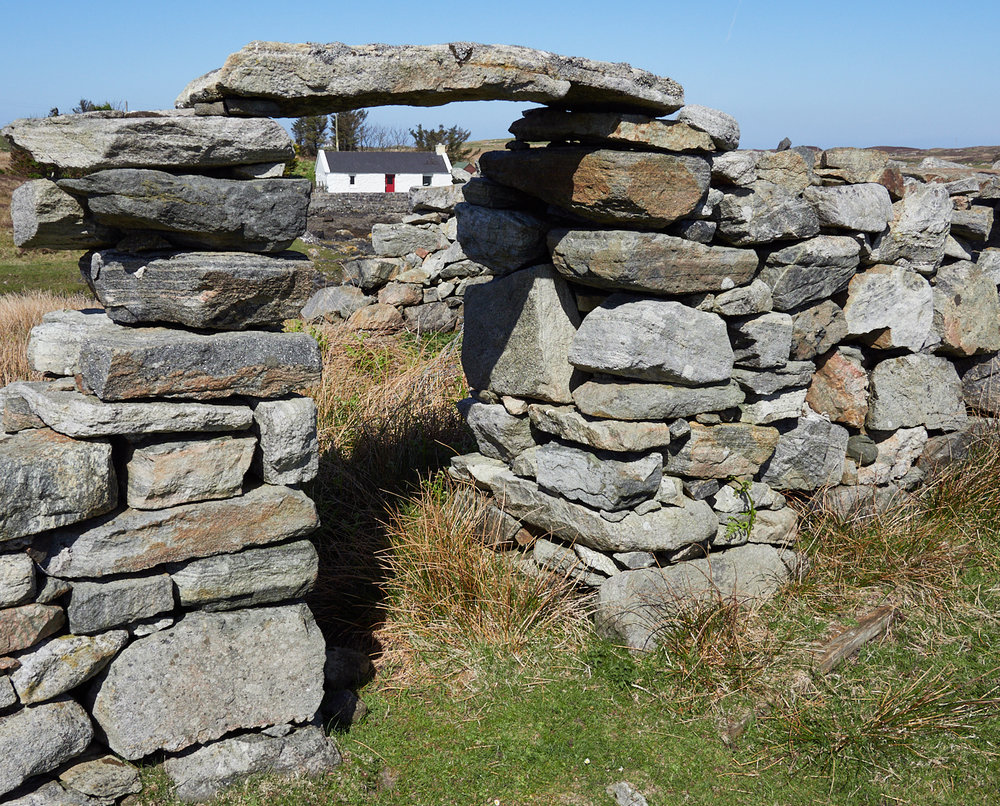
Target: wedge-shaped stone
{"x":655,"y":340}
{"x":134,"y":363}
{"x":723,"y":128}
{"x":610,"y":128}
{"x":648,"y":261}
{"x":763,"y":213}
{"x":288,"y":451}
{"x":915,"y":390}
{"x":966,"y":310}
{"x":610,"y":187}
{"x":211,"y":290}
{"x":604,"y":481}
{"x":61,"y":664}
{"x":39,"y":739}
{"x":817,"y":330}
{"x":168,"y":473}
{"x":863,"y":208}
{"x":499,"y":434}
{"x":620,"y":400}
{"x":98,"y":606}
{"x":607,"y":435}
{"x":135,"y":540}
{"x":918,"y":231}
{"x":974,"y":224}
{"x":79,"y":415}
{"x":839,"y":389}
{"x":981,"y":384}
{"x":762,"y":342}
{"x":102,"y":777}
{"x":48,"y":480}
{"x":192,"y":212}
{"x":161,"y":140}
{"x":45,"y":216}
{"x":638,"y":606}
{"x":812,"y":270}
{"x":249,"y":578}
{"x":665,"y":529}
{"x":784,"y":405}
{"x":767,"y":382}
{"x":501,"y":240}
{"x":894,"y":305}
{"x":722,"y":451}
{"x":518,"y":331}
{"x":17,"y":579}
{"x":24,"y":626}
{"x":809,"y":456}
{"x":210,"y":674}
{"x":306,"y":79}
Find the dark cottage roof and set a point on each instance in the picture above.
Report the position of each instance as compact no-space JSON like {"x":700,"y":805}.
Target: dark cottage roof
{"x":385,"y":162}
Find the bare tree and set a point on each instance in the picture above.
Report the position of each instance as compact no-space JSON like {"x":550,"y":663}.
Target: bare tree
{"x":385,"y":138}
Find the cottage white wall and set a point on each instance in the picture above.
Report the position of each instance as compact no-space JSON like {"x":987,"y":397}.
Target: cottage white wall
{"x":375,"y":183}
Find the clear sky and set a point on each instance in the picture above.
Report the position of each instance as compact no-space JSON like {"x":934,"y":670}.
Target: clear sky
{"x":839,"y":72}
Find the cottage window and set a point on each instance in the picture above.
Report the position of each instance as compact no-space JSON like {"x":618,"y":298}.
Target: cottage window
{"x":427,"y":180}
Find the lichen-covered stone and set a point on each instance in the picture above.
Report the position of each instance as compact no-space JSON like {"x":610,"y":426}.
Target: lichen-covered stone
{"x":722,"y":451}
{"x":620,"y":400}
{"x":288,"y":451}
{"x":915,"y":390}
{"x":63,"y":663}
{"x":609,"y":435}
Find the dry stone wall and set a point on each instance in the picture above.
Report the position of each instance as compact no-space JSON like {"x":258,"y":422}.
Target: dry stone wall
{"x":664,"y":335}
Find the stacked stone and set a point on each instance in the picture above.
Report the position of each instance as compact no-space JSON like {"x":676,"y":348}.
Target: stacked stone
{"x":153,"y":528}
{"x":418,"y":277}
{"x":679,"y":331}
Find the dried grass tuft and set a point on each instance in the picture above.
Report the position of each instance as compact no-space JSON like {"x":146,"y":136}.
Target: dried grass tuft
{"x":18,"y":314}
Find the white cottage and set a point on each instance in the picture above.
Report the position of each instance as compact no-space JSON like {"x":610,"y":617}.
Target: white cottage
{"x":381,"y":171}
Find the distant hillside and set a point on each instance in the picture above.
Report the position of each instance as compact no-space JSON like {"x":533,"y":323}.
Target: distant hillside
{"x":976,"y":156}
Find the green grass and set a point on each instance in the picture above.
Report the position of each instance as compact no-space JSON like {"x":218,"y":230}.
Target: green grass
{"x":40,"y":270}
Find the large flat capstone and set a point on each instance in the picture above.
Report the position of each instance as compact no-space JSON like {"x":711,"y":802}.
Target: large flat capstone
{"x":211,"y":674}
{"x":48,"y":480}
{"x":149,"y":140}
{"x":306,"y":79}
{"x":198,"y":212}
{"x":214,"y":290}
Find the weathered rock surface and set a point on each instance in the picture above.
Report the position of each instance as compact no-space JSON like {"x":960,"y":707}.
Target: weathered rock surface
{"x":431,"y":317}
{"x":135,"y":540}
{"x":608,"y":435}
{"x":201,"y":774}
{"x":839,"y":389}
{"x":648,"y":261}
{"x":46,"y":216}
{"x":654,"y":340}
{"x":610,"y":187}
{"x":397,"y":240}
{"x":636,"y":606}
{"x":249,"y":578}
{"x":859,"y":165}
{"x":212,"y":290}
{"x":762,"y":342}
{"x":812,"y":270}
{"x":211,"y":673}
{"x":54,"y":345}
{"x":745,"y":300}
{"x":334,"y":301}
{"x":764,"y":213}
{"x":51,"y":793}
{"x":61,"y":664}
{"x":723,"y":128}
{"x":501,"y":240}
{"x":893,"y":304}
{"x":863,"y":208}
{"x":818,"y":329}
{"x":767,"y":382}
{"x":307,"y":79}
{"x":610,"y":129}
{"x":981,"y":384}
{"x":370,"y":273}
{"x":762,"y":410}
{"x":619,"y":400}
{"x":97,"y":606}
{"x":915,"y":390}
{"x":134,"y":363}
{"x":518,"y":331}
{"x":377,"y":317}
{"x":896,"y":455}
{"x":165,"y":474}
{"x":499,"y":435}
{"x":48,"y":480}
{"x":24,"y":626}
{"x":966,"y":310}
{"x":39,"y":739}
{"x":102,"y":777}
{"x":255,"y":215}
{"x":974,"y":224}
{"x":162,"y":140}
{"x":918,"y":231}
{"x":17,"y":579}
{"x":722,"y":451}
{"x":791,"y":169}
{"x":809,"y":456}
{"x":665,"y":529}
{"x":603,"y":481}
{"x":79,"y":415}
{"x":288,"y":451}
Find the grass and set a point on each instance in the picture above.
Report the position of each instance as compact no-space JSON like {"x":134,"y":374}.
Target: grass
{"x":18,"y":314}
{"x":492,"y":687}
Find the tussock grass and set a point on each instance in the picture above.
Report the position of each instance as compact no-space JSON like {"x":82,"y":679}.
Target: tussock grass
{"x":18,"y":314}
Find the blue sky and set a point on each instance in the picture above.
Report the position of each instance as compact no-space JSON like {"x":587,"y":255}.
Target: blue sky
{"x":843,"y":72}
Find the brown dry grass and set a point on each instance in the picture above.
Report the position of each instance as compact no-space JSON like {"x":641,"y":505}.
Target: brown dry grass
{"x":18,"y":314}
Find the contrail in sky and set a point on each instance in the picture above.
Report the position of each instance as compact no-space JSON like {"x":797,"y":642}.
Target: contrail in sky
{"x":733,"y":21}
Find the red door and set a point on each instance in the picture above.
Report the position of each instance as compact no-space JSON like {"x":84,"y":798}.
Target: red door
{"x":390,"y":183}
